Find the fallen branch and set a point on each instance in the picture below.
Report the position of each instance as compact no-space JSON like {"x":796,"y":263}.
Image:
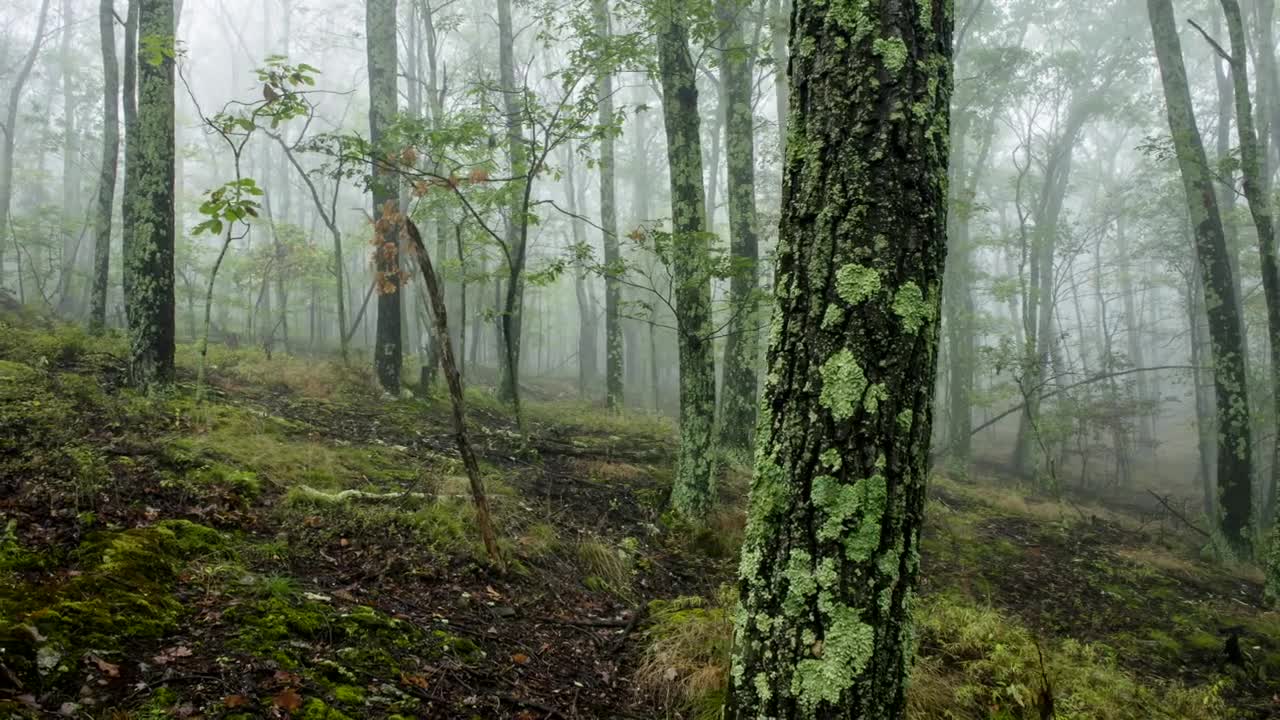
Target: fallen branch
{"x":311,"y":493}
{"x":1179,"y":515}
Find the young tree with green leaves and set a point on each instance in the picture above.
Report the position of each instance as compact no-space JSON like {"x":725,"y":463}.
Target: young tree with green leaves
{"x":832,"y":545}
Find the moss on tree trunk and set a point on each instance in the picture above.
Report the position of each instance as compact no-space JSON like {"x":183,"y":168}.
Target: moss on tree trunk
{"x":831,"y":552}
{"x":692,"y":493}
{"x":380,"y":22}
{"x":148,"y":258}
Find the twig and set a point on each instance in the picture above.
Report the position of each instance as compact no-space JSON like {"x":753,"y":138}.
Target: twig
{"x":1213,"y":43}
{"x":1179,"y":515}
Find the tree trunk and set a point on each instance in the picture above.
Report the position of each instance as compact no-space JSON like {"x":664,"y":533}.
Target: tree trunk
{"x":71,"y":176}
{"x":149,"y":253}
{"x":110,"y":164}
{"x":741,"y":348}
{"x":831,"y":551}
{"x":380,"y":23}
{"x":512,"y":306}
{"x":614,"y":352}
{"x":1257,"y":194}
{"x":10,"y":132}
{"x":588,"y":328}
{"x":692,"y":494}
{"x":1235,"y":451}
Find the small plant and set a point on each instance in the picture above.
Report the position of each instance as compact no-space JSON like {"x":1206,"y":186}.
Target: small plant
{"x":686,"y":656}
{"x":606,"y":567}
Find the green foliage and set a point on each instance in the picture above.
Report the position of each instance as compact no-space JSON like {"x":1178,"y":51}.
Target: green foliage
{"x":685,"y":660}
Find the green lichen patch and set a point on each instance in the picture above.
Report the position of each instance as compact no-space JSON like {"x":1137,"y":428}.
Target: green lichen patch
{"x":856,"y":283}
{"x":910,"y":305}
{"x":843,"y":384}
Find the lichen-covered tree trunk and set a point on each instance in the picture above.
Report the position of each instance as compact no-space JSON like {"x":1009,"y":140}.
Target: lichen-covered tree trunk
{"x":71,"y":174}
{"x":510,"y":321}
{"x":692,"y":493}
{"x":149,"y":301}
{"x":614,"y":352}
{"x":741,"y":348}
{"x":380,"y":25}
{"x":831,"y":552}
{"x":110,"y":164}
{"x":1235,"y":450}
{"x":1257,"y":194}
{"x":9,"y":131}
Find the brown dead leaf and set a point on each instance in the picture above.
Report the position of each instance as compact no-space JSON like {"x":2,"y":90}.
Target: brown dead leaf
{"x":235,"y":701}
{"x":173,"y":653}
{"x":106,"y":668}
{"x":417,"y":681}
{"x":287,"y":699}
{"x":520,"y":659}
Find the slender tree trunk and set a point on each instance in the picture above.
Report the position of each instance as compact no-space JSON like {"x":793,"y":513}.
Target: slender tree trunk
{"x":588,"y":328}
{"x":512,"y":306}
{"x":614,"y":351}
{"x":457,"y":400}
{"x":110,"y":165}
{"x":149,"y":254}
{"x":779,"y":27}
{"x":831,"y":551}
{"x":71,"y":176}
{"x":129,"y":105}
{"x":693,"y":493}
{"x":8,"y":135}
{"x":1235,"y":451}
{"x":380,"y":20}
{"x":741,"y":348}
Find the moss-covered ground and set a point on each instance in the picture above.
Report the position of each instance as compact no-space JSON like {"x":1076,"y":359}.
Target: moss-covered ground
{"x":160,"y":558}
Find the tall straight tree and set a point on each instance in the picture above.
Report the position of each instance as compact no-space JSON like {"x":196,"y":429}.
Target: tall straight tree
{"x":832,"y":545}
{"x":692,"y":493}
{"x":148,"y":257}
{"x":9,"y":130}
{"x":110,"y":164}
{"x":380,"y":33}
{"x":1257,"y":195}
{"x":741,"y":348}
{"x":614,"y":353}
{"x":515,"y":230}
{"x":129,"y":103}
{"x":1235,"y":450}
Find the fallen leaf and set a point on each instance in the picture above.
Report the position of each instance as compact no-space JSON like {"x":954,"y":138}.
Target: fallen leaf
{"x":520,"y":659}
{"x":105,"y":667}
{"x":287,"y":699}
{"x":417,"y":681}
{"x":173,"y":653}
{"x":235,"y":701}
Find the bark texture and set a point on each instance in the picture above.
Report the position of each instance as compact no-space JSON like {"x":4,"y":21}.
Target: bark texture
{"x":148,"y":259}
{"x":380,"y":23}
{"x":831,"y":552}
{"x":614,"y":353}
{"x":110,"y":164}
{"x":741,"y":348}
{"x":692,"y":493}
{"x":1235,"y":449}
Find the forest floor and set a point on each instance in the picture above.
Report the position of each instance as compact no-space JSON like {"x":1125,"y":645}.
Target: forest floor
{"x":163,"y":558}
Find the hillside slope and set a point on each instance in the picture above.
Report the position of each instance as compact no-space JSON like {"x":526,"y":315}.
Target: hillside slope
{"x":300,"y":546}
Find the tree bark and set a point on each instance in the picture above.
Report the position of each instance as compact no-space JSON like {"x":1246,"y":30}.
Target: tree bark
{"x":741,"y":348}
{"x":380,"y":24}
{"x":693,"y":493}
{"x":149,"y":302}
{"x":516,"y":224}
{"x":614,"y":351}
{"x":1235,"y":451}
{"x":831,"y":552}
{"x":110,"y":165}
